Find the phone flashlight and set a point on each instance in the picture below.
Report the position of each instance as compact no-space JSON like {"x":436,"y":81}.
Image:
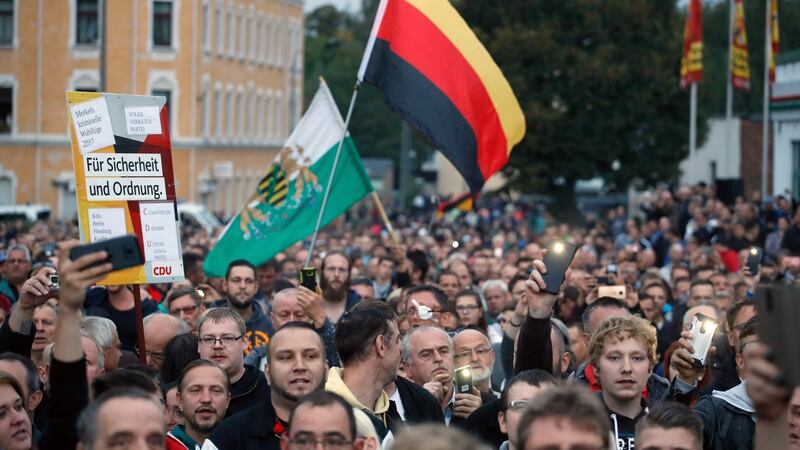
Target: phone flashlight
{"x":455,"y":244}
{"x":558,"y":247}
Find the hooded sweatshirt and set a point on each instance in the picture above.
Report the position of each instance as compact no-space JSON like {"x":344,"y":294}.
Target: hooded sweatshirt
{"x":729,"y":419}
{"x":624,"y":428}
{"x":377,"y":414}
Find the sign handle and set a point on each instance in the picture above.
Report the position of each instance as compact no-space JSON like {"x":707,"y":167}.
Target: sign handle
{"x":137,"y":306}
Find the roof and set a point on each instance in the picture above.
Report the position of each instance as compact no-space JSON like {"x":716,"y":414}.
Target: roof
{"x":788,"y":56}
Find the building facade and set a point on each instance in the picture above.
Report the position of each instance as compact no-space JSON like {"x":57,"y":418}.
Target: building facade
{"x":231,"y":70}
{"x":785,"y":112}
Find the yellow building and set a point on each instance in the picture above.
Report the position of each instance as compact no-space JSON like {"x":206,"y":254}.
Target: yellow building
{"x":231,"y":70}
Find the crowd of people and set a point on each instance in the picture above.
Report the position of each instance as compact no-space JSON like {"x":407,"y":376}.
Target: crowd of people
{"x":440,"y":336}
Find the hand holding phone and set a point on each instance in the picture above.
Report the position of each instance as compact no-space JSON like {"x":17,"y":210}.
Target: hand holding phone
{"x":703,"y":328}
{"x":308,"y":278}
{"x":557,"y":260}
{"x":754,"y":256}
{"x":123,"y":251}
{"x":464,"y":380}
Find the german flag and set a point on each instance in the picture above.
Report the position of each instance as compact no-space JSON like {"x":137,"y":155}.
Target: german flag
{"x":464,"y":202}
{"x":435,"y":73}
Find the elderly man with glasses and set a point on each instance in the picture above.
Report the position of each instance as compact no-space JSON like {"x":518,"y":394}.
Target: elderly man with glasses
{"x":221,"y":332}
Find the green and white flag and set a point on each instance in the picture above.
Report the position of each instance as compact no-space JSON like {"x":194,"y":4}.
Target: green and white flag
{"x":285,"y":206}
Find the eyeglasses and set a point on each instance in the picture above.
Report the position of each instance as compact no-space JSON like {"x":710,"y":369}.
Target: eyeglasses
{"x":465,"y":308}
{"x":480,"y":351}
{"x":328,"y":443}
{"x":149,"y":354}
{"x":188,"y":310}
{"x":211,"y":341}
{"x":517,"y":405}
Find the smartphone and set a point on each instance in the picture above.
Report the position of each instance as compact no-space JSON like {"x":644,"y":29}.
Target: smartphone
{"x":778,"y":309}
{"x":754,"y":260}
{"x":464,"y":380}
{"x":557,"y":260}
{"x":617,"y":291}
{"x":54,"y":282}
{"x":611,"y":269}
{"x":604,"y":281}
{"x":308,"y":278}
{"x":702,"y":329}
{"x":123,"y":251}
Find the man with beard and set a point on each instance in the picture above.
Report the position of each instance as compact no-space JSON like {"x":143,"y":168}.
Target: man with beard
{"x":335,"y":284}
{"x":203,"y":396}
{"x":241,"y":287}
{"x":296,"y":367}
{"x":472,"y":348}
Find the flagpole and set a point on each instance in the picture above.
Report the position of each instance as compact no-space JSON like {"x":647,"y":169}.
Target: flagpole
{"x":333,"y":172}
{"x":729,"y":89}
{"x":693,"y":124}
{"x":765,"y":118}
{"x":382,"y":211}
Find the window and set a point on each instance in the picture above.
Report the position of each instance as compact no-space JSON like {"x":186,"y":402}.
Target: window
{"x":6,"y":22}
{"x":231,"y":37}
{"x":205,"y":114}
{"x":162,"y":24}
{"x":230,"y":113}
{"x":220,"y":31}
{"x":88,"y":22}
{"x":206,"y":27}
{"x":220,"y":113}
{"x":270,"y":116}
{"x":240,"y":27}
{"x":6,"y":109}
{"x":167,"y":104}
{"x":240,"y":116}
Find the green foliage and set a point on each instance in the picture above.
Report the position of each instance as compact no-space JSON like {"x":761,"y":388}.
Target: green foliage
{"x":598,"y":82}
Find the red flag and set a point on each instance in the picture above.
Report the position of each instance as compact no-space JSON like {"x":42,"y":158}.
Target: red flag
{"x":775,"y":35}
{"x":740,"y":64}
{"x":692,"y":60}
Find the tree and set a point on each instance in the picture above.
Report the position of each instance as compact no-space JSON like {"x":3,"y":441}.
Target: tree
{"x":598,"y":82}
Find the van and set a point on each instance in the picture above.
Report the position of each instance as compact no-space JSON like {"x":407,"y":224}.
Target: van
{"x":198,"y":215}
{"x":28,"y":213}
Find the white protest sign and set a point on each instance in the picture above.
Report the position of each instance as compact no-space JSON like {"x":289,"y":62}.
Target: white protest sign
{"x":92,"y":125}
{"x":158,"y":232}
{"x":123,"y":165}
{"x":108,"y":189}
{"x":143,"y":120}
{"x":106,"y":223}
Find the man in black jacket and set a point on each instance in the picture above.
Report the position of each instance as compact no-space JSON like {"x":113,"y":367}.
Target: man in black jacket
{"x":296,"y":367}
{"x":221,"y":340}
{"x":428,"y":361}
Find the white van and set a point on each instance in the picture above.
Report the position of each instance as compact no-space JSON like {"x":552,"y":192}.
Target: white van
{"x":28,"y":213}
{"x":197,"y":214}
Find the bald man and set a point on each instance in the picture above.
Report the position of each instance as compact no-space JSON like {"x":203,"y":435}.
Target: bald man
{"x":159,"y":329}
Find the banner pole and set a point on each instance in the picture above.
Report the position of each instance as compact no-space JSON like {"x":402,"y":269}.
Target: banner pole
{"x":385,"y":218}
{"x":137,"y":306}
{"x":333,"y":172}
{"x":765,"y":124}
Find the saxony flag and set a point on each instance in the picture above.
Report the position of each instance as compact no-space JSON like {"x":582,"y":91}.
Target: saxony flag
{"x":286,"y":202}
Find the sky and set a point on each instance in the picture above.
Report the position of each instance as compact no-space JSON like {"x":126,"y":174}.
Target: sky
{"x":351,"y":5}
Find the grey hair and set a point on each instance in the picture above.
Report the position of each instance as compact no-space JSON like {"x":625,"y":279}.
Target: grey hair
{"x":406,"y":343}
{"x":490,"y":284}
{"x":687,"y":320}
{"x":101,"y":357}
{"x":23,"y":248}
{"x":100,"y":329}
{"x":88,"y":422}
{"x":183,"y":327}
